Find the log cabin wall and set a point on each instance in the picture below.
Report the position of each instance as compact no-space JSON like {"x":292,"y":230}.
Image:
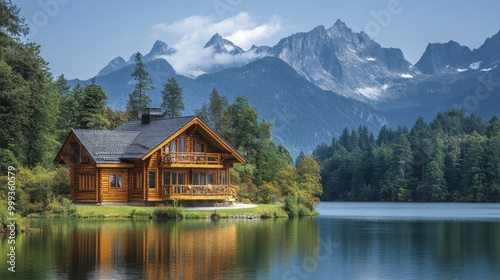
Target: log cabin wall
{"x":84,"y":184}
{"x":115,"y":185}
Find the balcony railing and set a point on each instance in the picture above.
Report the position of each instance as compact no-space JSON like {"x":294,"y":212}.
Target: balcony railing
{"x":172,"y":191}
{"x":192,"y":158}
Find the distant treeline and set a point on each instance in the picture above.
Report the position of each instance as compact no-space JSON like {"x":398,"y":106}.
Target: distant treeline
{"x":454,"y":158}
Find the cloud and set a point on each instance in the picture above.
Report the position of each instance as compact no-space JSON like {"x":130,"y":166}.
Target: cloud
{"x":189,"y":36}
{"x":245,"y":38}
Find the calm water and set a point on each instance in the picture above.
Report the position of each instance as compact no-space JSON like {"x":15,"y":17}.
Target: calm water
{"x":348,"y":241}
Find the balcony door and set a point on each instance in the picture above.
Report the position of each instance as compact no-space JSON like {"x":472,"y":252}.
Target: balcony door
{"x":203,"y":178}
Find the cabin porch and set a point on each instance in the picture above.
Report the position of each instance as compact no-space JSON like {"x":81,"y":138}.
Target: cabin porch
{"x":199,"y":192}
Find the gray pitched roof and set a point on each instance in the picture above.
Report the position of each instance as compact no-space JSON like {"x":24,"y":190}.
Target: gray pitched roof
{"x":106,"y":146}
{"x":151,"y":135}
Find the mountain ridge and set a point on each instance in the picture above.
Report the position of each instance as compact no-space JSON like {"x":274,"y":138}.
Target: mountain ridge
{"x":338,"y":63}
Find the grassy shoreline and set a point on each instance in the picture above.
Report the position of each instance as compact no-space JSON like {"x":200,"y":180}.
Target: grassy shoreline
{"x":126,"y":211}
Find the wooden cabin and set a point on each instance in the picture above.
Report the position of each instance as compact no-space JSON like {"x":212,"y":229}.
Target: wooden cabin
{"x":152,"y":160}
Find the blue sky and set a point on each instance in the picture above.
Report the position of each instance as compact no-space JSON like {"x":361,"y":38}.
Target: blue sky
{"x":79,"y":38}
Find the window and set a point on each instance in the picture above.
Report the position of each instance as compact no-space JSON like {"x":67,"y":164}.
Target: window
{"x":174,"y":178}
{"x":209,"y":178}
{"x":120,"y":181}
{"x":223,"y":178}
{"x":203,"y":178}
{"x":116,"y":181}
{"x":137,"y":180}
{"x":112,"y":181}
{"x":166,"y":178}
{"x":86,"y":182}
{"x":174,"y":146}
{"x":152,"y":179}
{"x":182,"y":145}
{"x":196,"y":180}
{"x":180,"y":179}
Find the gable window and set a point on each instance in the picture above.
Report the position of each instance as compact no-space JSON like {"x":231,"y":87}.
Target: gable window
{"x":116,"y":181}
{"x":86,"y":182}
{"x":152,"y":179}
{"x":182,"y":145}
{"x":174,"y":146}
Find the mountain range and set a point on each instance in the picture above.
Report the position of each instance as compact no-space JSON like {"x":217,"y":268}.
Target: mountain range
{"x":313,"y":84}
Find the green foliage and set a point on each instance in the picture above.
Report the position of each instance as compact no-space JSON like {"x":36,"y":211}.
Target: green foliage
{"x":276,"y":213}
{"x":455,"y":158}
{"x":167,"y":212}
{"x":269,"y":176}
{"x":138,"y":98}
{"x":28,"y":98}
{"x":94,"y":107}
{"x":40,"y":190}
{"x":61,"y":208}
{"x":215,"y":112}
{"x":172,"y":101}
{"x":114,"y":118}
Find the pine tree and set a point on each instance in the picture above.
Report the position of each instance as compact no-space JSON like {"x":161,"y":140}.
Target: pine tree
{"x":65,"y":108}
{"x":397,"y":179}
{"x":138,"y":98}
{"x":433,"y":187}
{"x":94,"y":107}
{"x":172,"y":101}
{"x":473,"y":170}
{"x":215,"y":112}
{"x":77,"y":99}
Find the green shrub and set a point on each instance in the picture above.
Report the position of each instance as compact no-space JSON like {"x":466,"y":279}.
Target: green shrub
{"x":167,"y":212}
{"x":297,"y":206}
{"x":303,"y":210}
{"x":267,"y":214}
{"x":192,"y":216}
{"x":246,"y":201}
{"x":280,"y":213}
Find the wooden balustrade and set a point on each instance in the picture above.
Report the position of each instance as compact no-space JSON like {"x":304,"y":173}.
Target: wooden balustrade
{"x":192,"y":158}
{"x":172,"y":191}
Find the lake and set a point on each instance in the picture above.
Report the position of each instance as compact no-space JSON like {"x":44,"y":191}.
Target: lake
{"x":349,"y":240}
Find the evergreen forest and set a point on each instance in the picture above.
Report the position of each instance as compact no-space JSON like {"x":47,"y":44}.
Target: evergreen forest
{"x":456,"y":157}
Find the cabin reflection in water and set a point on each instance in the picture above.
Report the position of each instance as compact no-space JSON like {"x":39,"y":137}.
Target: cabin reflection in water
{"x":181,"y":251}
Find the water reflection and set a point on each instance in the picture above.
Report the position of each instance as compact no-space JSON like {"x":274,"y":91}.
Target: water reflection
{"x":324,"y":247}
{"x":162,"y":250}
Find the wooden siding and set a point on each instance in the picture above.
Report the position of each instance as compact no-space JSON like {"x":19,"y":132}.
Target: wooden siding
{"x":80,"y":195}
{"x":110,"y":194}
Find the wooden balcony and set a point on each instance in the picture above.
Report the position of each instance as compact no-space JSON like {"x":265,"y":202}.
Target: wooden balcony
{"x":199,"y":192}
{"x":190,"y":159}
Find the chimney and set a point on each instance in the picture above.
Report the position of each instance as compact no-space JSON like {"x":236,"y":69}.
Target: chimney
{"x":150,"y":114}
